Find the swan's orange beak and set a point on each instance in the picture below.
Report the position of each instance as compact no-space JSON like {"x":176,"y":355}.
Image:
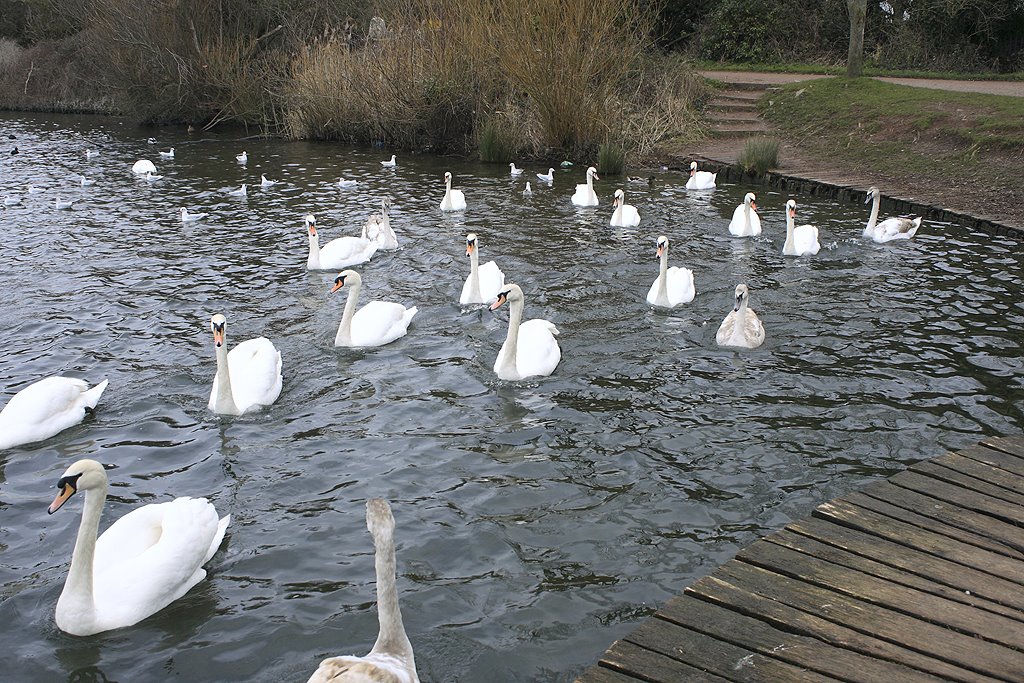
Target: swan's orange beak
{"x":312,"y":230}
{"x":792,"y":213}
{"x":469,"y":249}
{"x":338,"y":284}
{"x":218,"y":336}
{"x":497,"y":304}
{"x":753,"y":205}
{"x":692,"y":171}
{"x":62,"y":497}
{"x":660,"y":250}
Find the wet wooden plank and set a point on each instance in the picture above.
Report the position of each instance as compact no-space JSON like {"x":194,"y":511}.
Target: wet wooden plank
{"x":723,"y":592}
{"x":599,"y":674}
{"x":973,"y":475}
{"x":802,"y":651}
{"x":975,"y":468}
{"x":1013,"y":445}
{"x":625,"y":661}
{"x":996,"y":458}
{"x":1010,"y":513}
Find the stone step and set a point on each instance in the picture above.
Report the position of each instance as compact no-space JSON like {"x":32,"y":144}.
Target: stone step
{"x":735,"y":117}
{"x":732,"y":105}
{"x":744,"y":129}
{"x":740,"y":85}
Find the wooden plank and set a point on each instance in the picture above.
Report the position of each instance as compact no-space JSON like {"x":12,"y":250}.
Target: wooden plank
{"x":715,"y":656}
{"x":980,"y":470}
{"x":845,"y":512}
{"x":1010,"y":513}
{"x":976,"y":480}
{"x":939,"y":642}
{"x":724,"y":592}
{"x":995,"y":458}
{"x":1014,"y":445}
{"x":861,"y":586}
{"x":802,"y":651}
{"x":829,"y":553}
{"x":632,"y":663}
{"x":599,"y":674}
{"x":1008,"y":539}
{"x":959,"y":577}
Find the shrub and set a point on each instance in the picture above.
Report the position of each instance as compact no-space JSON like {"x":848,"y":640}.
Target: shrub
{"x":495,"y":144}
{"x":611,"y":158}
{"x":759,"y":155}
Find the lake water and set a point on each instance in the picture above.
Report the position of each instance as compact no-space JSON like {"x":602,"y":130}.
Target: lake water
{"x":537,"y":521}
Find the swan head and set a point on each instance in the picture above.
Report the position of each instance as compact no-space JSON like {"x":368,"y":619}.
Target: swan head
{"x":218,"y":325}
{"x":693,"y":167}
{"x":448,"y":177}
{"x":620,"y":197}
{"x":350,"y":276}
{"x":592,"y":172}
{"x":662,"y":245}
{"x":81,"y":476}
{"x":508,"y":293}
{"x":872,"y":192}
{"x":749,"y":199}
{"x":791,"y":208}
{"x":311,"y":226}
{"x":470,"y":243}
{"x":741,"y":296}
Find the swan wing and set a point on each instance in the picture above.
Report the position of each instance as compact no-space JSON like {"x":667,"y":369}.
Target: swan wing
{"x":346,"y":251}
{"x":373,"y":668}
{"x":805,"y":237}
{"x":538,"y":352}
{"x":680,"y":285}
{"x":380,"y":322}
{"x":255,"y":367}
{"x":895,"y":229}
{"x":45,"y":408}
{"x":491,"y":281}
{"x":737,"y":226}
{"x":584,"y":196}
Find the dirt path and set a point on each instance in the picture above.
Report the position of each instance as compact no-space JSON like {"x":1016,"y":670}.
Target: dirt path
{"x":1007,"y":88}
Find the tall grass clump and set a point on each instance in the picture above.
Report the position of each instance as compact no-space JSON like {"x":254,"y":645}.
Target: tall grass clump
{"x":759,"y":155}
{"x":495,"y":144}
{"x":611,"y":158}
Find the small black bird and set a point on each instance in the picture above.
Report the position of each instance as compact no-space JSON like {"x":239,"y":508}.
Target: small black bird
{"x":11,"y":136}
{"x":14,"y":151}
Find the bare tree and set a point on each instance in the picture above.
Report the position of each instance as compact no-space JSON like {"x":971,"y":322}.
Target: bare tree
{"x":858,"y":10}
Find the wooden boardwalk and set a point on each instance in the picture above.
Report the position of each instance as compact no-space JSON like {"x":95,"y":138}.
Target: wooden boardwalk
{"x":919,"y":577}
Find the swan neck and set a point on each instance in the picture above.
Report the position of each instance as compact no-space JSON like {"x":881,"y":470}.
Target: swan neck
{"x":512,"y":339}
{"x":225,"y":401}
{"x":746,"y":214}
{"x":662,"y":295}
{"x":474,"y":276}
{"x":79,"y":582}
{"x":344,"y":336}
{"x":313,"y":262}
{"x":392,"y":638}
{"x":873,"y":218}
{"x":789,"y":232}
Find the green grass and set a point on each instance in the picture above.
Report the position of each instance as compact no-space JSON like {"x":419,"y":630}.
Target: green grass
{"x":840,"y":69}
{"x":759,"y":155}
{"x":611,"y":158}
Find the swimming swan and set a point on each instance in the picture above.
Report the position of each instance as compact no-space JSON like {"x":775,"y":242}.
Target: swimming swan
{"x":143,"y":562}
{"x":585,"y":195}
{"x":378,"y":228}
{"x":673,"y":286}
{"x":700,"y":180}
{"x":143,"y":166}
{"x":625,"y":215}
{"x":890,"y":228}
{"x":741,"y":327}
{"x":745,"y":221}
{"x":801,"y":240}
{"x":375,"y":324}
{"x":45,"y":408}
{"x":484,"y":282}
{"x":454,"y":200}
{"x":530,"y":348}
{"x":339,"y":253}
{"x":247,"y":378}
{"x":391,"y":659}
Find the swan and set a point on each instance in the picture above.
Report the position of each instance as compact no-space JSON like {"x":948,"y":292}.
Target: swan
{"x":484,"y":282}
{"x":63,"y":204}
{"x":378,"y":228}
{"x":454,"y":200}
{"x":150,"y":176}
{"x":247,"y":378}
{"x":90,"y":153}
{"x":391,"y":163}
{"x":890,"y":228}
{"x":375,"y":324}
{"x":585,"y":195}
{"x":625,"y":215}
{"x":347,"y":183}
{"x":45,"y":408}
{"x":391,"y":659}
{"x":242,"y":158}
{"x":32,"y":189}
{"x":528,"y":192}
{"x":513,"y":170}
{"x":240,"y":192}
{"x":802,"y":240}
{"x":673,"y":286}
{"x":187,"y":217}
{"x":741,"y":327}
{"x":548,"y":177}
{"x":264,"y":182}
{"x":143,"y":562}
{"x":338,"y":253}
{"x":86,"y":182}
{"x":700,"y":180}
{"x":143,"y":166}
{"x":530,"y":348}
{"x":745,"y":221}
{"x":11,"y":200}
{"x":169,"y":154}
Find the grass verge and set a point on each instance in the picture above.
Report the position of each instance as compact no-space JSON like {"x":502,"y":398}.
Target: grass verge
{"x":840,"y":69}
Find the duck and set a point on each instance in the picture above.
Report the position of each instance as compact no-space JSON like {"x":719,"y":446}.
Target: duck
{"x":801,"y":240}
{"x":375,"y":324}
{"x":890,"y":228}
{"x":338,"y":253}
{"x":700,"y":180}
{"x":530,"y":348}
{"x":484,"y":282}
{"x":624,"y":215}
{"x":265,"y":182}
{"x":528,"y":192}
{"x":90,"y":153}
{"x":187,"y":217}
{"x":242,"y":158}
{"x":169,"y":154}
{"x":513,"y":171}
{"x":143,"y":166}
{"x":240,"y":192}
{"x":585,"y":195}
{"x":46,"y":408}
{"x":342,"y":182}
{"x":548,"y":177}
{"x":454,"y":200}
{"x":674,"y":285}
{"x":745,"y":221}
{"x":63,"y":204}
{"x":390,"y":163}
{"x":741,"y":326}
{"x":391,"y":659}
{"x":248,"y":378}
{"x":378,"y":228}
{"x":143,"y":562}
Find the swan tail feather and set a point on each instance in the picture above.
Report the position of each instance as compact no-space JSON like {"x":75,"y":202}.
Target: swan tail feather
{"x":222,"y":527}
{"x":92,"y":396}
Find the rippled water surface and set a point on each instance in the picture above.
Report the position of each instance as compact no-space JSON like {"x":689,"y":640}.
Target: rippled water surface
{"x":536,"y":521}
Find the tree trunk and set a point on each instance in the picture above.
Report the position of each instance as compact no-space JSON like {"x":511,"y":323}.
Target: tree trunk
{"x":857,"y":10}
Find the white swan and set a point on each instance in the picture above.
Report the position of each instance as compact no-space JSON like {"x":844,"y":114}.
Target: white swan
{"x":169,"y":154}
{"x":484,"y":282}
{"x":146,"y":560}
{"x":741,"y":327}
{"x":454,"y":200}
{"x":375,"y":324}
{"x":745,"y":221}
{"x":63,"y":204}
{"x":585,"y":195}
{"x":378,"y":228}
{"x":625,"y":215}
{"x":528,"y":192}
{"x":513,"y":171}
{"x":548,"y":177}
{"x":143,"y":166}
{"x":801,"y":240}
{"x":530,"y":348}
{"x":338,"y":253}
{"x":187,"y":217}
{"x":347,"y":183}
{"x":240,"y":192}
{"x":265,"y":182}
{"x":391,"y":163}
{"x":890,"y":228}
{"x":700,"y":180}
{"x":90,"y":153}
{"x":674,"y":285}
{"x":391,"y":659}
{"x":242,"y":158}
{"x":45,"y":408}
{"x":247,"y":378}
